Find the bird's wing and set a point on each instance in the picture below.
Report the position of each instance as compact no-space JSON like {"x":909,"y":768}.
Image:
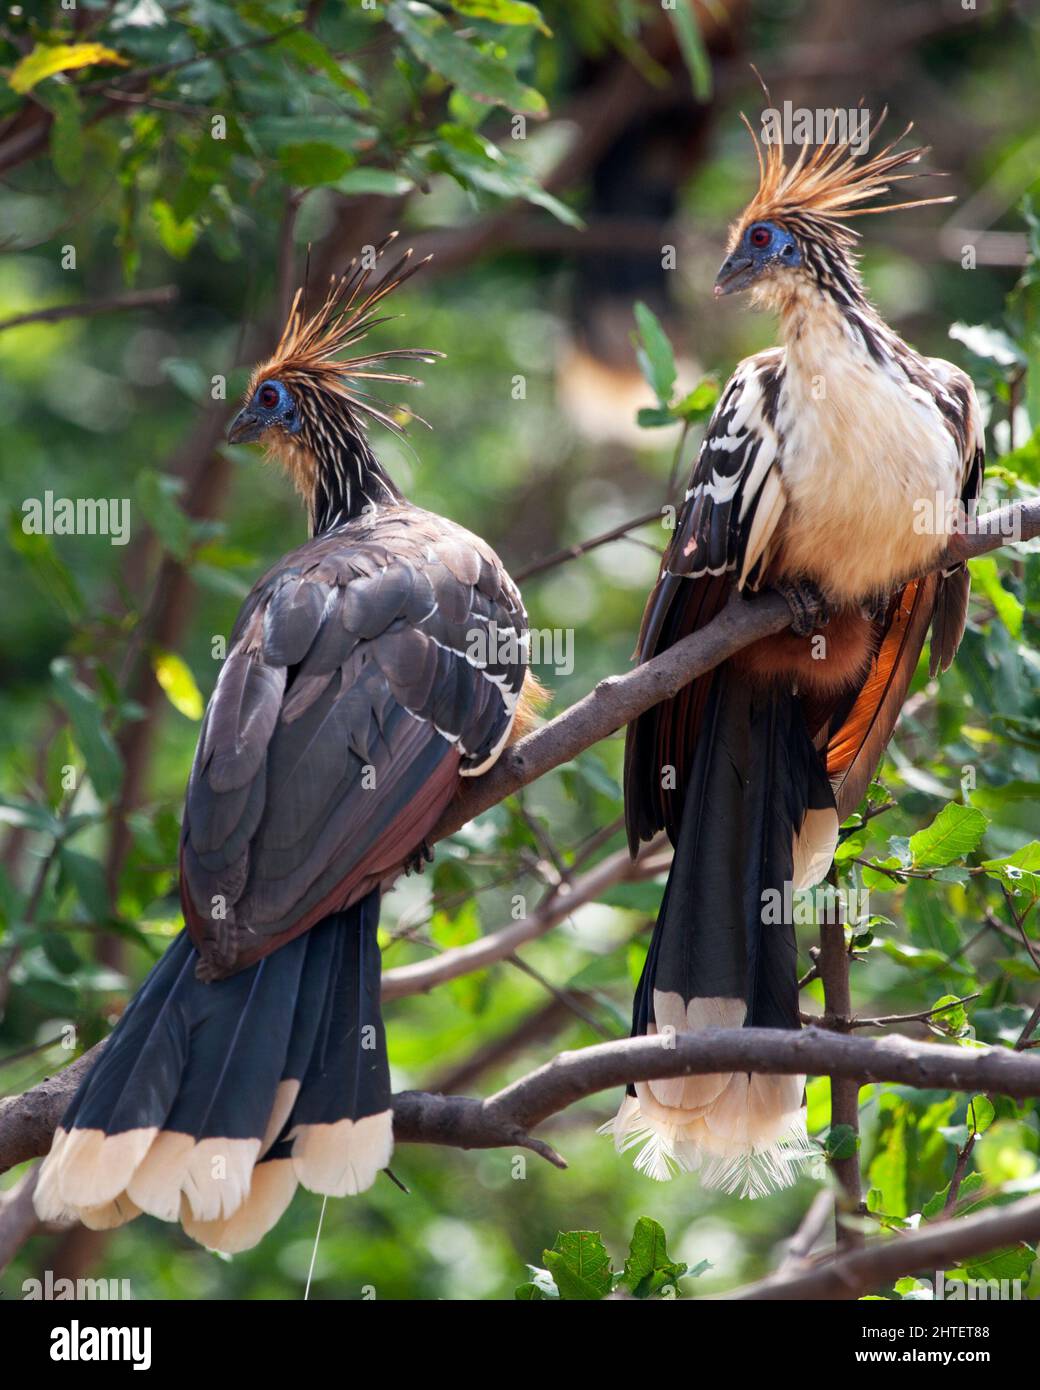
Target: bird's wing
{"x":723,"y":533}
{"x":367,"y":672}
{"x":858,"y":728}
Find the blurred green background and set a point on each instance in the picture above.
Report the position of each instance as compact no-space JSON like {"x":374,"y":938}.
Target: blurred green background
{"x":562,"y":163}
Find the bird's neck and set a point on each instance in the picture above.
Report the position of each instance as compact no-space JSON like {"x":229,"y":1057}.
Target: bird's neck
{"x":348,"y":480}
{"x":831,"y":316}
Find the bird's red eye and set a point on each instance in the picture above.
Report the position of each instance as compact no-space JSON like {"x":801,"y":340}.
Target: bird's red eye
{"x":761,"y":236}
{"x":268,"y":397}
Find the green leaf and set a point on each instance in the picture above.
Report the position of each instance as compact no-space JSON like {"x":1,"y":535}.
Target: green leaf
{"x":174,"y":676}
{"x":955,"y":832}
{"x":66,"y":138}
{"x":648,"y":1268}
{"x":691,"y":44}
{"x":981,"y":1113}
{"x":177,"y":237}
{"x":477,"y":163}
{"x":986,"y":576}
{"x":652,"y":417}
{"x":989,"y":344}
{"x":1014,"y":1263}
{"x":654,"y":351}
{"x":314,"y":162}
{"x":49,"y":572}
{"x":383,"y":182}
{"x":87,"y":879}
{"x":92,"y":738}
{"x":476,"y":71}
{"x":503,"y":12}
{"x":842,"y":1142}
{"x":47,"y":59}
{"x":700,"y":402}
{"x":580,"y":1265}
{"x":61,"y":953}
{"x":157,"y":496}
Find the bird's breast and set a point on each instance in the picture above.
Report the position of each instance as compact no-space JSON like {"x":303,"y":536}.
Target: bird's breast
{"x":870,"y":473}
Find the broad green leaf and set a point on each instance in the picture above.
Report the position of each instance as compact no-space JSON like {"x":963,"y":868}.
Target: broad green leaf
{"x":842,"y":1142}
{"x":700,"y":402}
{"x":580,"y":1265}
{"x":49,"y":571}
{"x":648,"y":1268}
{"x":990,"y":344}
{"x":177,"y":237}
{"x":479,"y":164}
{"x":654,"y":351}
{"x":986,"y":576}
{"x":157,"y":495}
{"x":379,"y":181}
{"x":314,"y":162}
{"x":476,"y":71}
{"x":652,"y":417}
{"x":981,"y":1114}
{"x":47,"y":59}
{"x":87,"y":878}
{"x":92,"y":738}
{"x":503,"y":12}
{"x":1014,"y":1263}
{"x":175,"y":678}
{"x":66,"y":139}
{"x":955,"y":832}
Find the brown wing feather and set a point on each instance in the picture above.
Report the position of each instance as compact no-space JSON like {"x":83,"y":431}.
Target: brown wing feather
{"x":857,"y":746}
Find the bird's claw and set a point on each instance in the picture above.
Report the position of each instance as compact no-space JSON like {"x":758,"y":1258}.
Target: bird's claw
{"x":808,"y":606}
{"x":875,"y":609}
{"x":417,"y":862}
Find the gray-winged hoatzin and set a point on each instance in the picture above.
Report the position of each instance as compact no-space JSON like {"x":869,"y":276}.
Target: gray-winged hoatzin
{"x":833,"y":469}
{"x":367,"y":672}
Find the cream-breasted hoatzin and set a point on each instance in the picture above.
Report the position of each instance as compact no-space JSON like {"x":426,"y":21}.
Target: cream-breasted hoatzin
{"x":824,"y":473}
{"x":368,"y":672}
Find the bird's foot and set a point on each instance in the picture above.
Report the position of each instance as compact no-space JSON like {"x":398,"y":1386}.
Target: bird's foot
{"x":419,"y":859}
{"x":808,"y":606}
{"x":875,"y":609}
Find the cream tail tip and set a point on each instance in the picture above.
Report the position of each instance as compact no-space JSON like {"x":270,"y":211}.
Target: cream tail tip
{"x":343,"y":1159}
{"x":765,"y":1156}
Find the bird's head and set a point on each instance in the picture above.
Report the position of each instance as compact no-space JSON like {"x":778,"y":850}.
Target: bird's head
{"x":763,"y":249}
{"x":305,"y":402}
{"x":792,"y":237}
{"x":270,"y":405}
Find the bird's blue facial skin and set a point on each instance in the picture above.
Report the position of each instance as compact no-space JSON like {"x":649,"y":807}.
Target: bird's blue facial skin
{"x":272,"y":404}
{"x":764,"y":247}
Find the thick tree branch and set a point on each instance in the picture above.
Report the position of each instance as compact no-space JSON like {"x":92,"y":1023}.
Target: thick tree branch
{"x":619,"y":699}
{"x":941,"y":1246}
{"x":28,"y":1121}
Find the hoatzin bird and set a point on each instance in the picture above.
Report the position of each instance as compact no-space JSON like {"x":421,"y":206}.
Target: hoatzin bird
{"x":824,"y":473}
{"x":352,"y":700}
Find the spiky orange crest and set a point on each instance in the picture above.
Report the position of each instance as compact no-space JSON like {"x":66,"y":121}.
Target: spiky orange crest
{"x":307,"y":355}
{"x":828,"y":183}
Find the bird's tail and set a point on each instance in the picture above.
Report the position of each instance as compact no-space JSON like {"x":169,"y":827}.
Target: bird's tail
{"x":211,"y":1101}
{"x":758,"y":823}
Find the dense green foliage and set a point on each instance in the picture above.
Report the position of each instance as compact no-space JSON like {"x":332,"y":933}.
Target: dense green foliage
{"x":205,"y":145}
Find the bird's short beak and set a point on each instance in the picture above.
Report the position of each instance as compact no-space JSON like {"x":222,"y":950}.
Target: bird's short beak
{"x":735,"y":273}
{"x":244,"y":428}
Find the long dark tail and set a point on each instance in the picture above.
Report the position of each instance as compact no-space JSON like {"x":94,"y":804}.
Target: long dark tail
{"x":212,"y":1101}
{"x":758,"y":818}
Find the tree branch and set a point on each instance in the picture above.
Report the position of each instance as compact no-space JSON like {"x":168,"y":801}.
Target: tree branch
{"x":941,"y":1246}
{"x":28,"y":1121}
{"x":85,"y":309}
{"x":495,"y":946}
{"x":618,"y":699}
